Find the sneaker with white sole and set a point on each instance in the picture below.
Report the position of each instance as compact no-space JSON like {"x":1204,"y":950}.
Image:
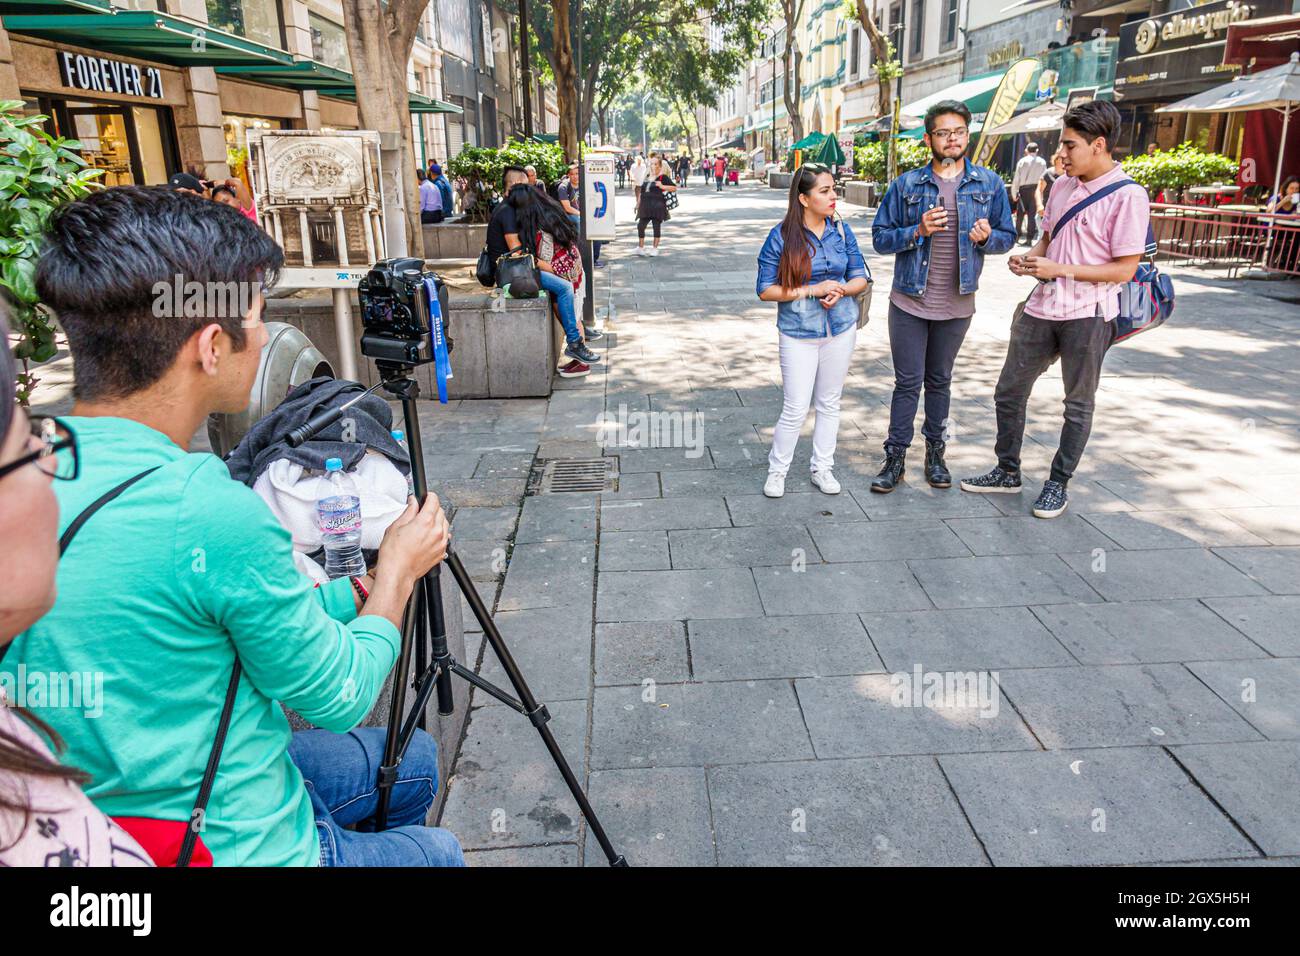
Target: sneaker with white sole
{"x":574,"y":369}
{"x":995,"y":482}
{"x":1052,"y":500}
{"x":654,"y":250}
{"x":826,"y":482}
{"x":774,"y":487}
{"x":640,"y":250}
{"x":578,"y":350}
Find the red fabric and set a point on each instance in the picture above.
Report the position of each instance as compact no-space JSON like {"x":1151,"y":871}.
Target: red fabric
{"x":1261,"y":133}
{"x":162,"y":840}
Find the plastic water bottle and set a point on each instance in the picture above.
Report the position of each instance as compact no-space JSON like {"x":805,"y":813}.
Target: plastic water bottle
{"x":338,"y":512}
{"x":399,"y":436}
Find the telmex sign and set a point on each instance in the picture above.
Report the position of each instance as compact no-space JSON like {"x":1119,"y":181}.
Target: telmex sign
{"x":102,"y":75}
{"x":1180,"y":26}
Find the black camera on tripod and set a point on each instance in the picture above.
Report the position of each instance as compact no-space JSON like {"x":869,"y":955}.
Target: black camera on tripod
{"x":396,"y":314}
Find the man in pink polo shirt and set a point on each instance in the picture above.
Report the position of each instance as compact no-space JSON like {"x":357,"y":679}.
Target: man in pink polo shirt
{"x":1071,"y":314}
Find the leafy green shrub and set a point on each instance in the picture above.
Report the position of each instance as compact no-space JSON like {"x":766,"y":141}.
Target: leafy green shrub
{"x":871,"y":161}
{"x":1184,"y":165}
{"x":481,"y":168}
{"x":38,"y":173}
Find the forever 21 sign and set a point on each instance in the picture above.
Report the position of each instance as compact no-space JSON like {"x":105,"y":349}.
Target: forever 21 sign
{"x":103,"y":75}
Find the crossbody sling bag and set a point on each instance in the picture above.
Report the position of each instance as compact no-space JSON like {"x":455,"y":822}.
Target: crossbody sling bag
{"x":1145,"y":301}
{"x":155,"y":836}
{"x":863,"y":298}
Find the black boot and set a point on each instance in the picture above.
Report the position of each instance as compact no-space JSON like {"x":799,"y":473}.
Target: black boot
{"x":891,"y":473}
{"x":936,"y":472}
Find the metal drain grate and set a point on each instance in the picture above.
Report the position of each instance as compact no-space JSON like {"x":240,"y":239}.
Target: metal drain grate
{"x":567,"y":475}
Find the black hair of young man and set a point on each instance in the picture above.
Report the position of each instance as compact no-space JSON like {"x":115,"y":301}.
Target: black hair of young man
{"x":1095,"y":118}
{"x":944,"y":107}
{"x":104,"y":259}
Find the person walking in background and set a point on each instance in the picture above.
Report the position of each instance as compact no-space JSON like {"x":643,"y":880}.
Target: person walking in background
{"x":1053,"y":172}
{"x":638,"y":181}
{"x":686,"y":168}
{"x":719,"y":170}
{"x":812,"y":267}
{"x":444,"y":187}
{"x":1070,"y":315}
{"x":620,"y":167}
{"x":430,"y":199}
{"x":939,"y":244}
{"x":1024,"y":183}
{"x":654,"y":205}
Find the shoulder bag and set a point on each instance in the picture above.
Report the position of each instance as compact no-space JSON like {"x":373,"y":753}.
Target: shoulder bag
{"x":864,"y":297}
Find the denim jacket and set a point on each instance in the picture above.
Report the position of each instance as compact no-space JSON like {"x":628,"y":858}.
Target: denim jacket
{"x":832,"y":257}
{"x":981,"y":194}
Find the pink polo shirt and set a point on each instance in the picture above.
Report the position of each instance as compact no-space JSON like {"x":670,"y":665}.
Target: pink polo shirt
{"x":1108,"y":229}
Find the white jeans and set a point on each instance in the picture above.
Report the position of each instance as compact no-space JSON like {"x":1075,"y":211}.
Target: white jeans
{"x":812,"y":374}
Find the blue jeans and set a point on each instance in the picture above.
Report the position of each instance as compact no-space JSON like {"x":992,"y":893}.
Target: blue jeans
{"x":561,"y":291}
{"x":340,"y":770}
{"x":595,"y":246}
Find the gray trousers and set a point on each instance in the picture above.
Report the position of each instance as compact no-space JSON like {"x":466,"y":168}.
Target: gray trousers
{"x":1036,"y":343}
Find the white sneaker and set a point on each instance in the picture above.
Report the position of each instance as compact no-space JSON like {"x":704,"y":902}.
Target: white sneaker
{"x":826,"y":482}
{"x":653,"y":250}
{"x":640,"y":250}
{"x":774,"y":487}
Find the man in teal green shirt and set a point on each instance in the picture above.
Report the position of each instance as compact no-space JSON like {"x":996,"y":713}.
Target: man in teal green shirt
{"x":187,"y":570}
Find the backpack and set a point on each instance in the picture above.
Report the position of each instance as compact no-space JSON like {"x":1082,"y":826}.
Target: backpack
{"x":1146,"y":300}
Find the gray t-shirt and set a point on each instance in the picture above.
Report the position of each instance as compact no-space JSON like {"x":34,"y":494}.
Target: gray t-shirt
{"x":941,"y":299}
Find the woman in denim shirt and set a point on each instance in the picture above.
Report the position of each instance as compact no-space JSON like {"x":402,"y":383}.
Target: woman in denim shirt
{"x":812,"y":268}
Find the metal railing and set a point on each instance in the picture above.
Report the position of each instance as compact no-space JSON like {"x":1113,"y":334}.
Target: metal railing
{"x":1229,"y":239}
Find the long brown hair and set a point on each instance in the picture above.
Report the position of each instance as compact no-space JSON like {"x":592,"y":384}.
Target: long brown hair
{"x":795,"y":267}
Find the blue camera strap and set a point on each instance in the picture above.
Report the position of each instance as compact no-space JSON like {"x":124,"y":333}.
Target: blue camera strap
{"x":441,"y":360}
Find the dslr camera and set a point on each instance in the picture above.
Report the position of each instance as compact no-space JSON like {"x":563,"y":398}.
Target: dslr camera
{"x":395,"y":314}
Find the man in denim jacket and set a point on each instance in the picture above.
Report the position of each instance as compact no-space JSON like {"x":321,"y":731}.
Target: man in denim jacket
{"x":939,"y":221}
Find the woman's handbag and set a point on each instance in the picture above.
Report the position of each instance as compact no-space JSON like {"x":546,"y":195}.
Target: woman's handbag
{"x":565,"y":262}
{"x":517,"y":271}
{"x":863,"y":298}
{"x":670,"y":199}
{"x":486,"y":271}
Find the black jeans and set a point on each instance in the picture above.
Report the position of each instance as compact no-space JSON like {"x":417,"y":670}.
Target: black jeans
{"x":924,"y":351}
{"x":431,"y":216}
{"x":1035,"y":344}
{"x":1028,"y":206}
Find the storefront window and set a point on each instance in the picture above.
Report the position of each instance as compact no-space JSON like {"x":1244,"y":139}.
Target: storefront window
{"x":329,"y":43}
{"x":126,"y":142}
{"x":257,"y":20}
{"x":153,"y":160}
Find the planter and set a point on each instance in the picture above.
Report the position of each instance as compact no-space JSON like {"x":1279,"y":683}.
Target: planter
{"x":454,"y":240}
{"x":861,"y":194}
{"x":507,"y":352}
{"x":779,"y":180}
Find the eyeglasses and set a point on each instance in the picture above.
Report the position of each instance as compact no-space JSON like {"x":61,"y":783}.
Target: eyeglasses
{"x":58,"y":455}
{"x":947,"y":134}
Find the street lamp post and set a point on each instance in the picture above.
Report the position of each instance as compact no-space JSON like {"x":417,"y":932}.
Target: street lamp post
{"x":774,"y":96}
{"x":644,"y":147}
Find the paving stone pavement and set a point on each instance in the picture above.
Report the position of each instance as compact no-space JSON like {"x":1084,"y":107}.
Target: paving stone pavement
{"x":738,"y":680}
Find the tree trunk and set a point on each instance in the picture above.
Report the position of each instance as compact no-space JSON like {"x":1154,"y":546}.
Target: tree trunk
{"x":566,"y":79}
{"x":602,"y":118}
{"x":380,"y":39}
{"x":879,"y":54}
{"x":793,"y":10}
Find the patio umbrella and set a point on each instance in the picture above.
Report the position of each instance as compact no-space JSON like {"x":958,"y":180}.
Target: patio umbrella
{"x":811,"y":141}
{"x":1047,"y":116}
{"x":829,"y":152}
{"x":1277,"y":89}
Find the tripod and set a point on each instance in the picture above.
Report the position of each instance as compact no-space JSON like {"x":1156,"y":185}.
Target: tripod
{"x":424,"y":636}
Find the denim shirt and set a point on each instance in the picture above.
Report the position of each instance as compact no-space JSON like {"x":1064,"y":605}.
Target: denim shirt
{"x":981,"y":194}
{"x":831,"y":257}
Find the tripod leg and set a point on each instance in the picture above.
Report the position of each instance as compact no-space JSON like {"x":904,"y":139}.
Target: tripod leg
{"x":392,"y":757}
{"x":537,"y":713}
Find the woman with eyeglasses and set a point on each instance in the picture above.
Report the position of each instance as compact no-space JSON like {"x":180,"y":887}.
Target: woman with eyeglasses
{"x":812,"y":268}
{"x":45,"y":819}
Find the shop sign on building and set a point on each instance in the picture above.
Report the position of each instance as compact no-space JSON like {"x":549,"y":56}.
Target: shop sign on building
{"x":101,"y":74}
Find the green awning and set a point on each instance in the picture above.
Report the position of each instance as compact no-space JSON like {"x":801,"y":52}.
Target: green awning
{"x":546,"y":137}
{"x":300,"y":75}
{"x":976,"y":92}
{"x":146,"y":35}
{"x":811,"y":141}
{"x":45,"y":7}
{"x":427,"y":104}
